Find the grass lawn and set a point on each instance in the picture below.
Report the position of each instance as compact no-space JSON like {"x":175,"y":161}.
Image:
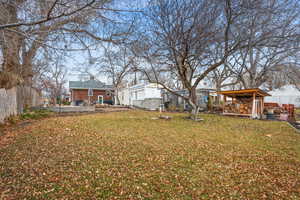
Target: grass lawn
{"x":297,"y":114}
{"x":128,"y":155}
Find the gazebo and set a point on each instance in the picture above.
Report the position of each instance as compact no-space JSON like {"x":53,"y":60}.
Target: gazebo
{"x":247,"y":102}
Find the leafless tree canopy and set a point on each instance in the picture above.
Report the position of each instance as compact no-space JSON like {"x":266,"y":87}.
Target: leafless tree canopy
{"x":181,"y":39}
{"x":193,"y":38}
{"x":275,"y":22}
{"x":53,"y":80}
{"x":116,"y":62}
{"x":29,"y":27}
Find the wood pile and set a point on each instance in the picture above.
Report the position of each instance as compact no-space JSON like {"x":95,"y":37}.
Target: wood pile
{"x":239,"y":106}
{"x":245,"y":108}
{"x":230,"y":108}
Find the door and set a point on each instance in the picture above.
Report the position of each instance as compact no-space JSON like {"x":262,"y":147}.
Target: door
{"x":100,"y":99}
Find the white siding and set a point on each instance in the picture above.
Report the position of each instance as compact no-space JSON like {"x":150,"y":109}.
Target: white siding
{"x":138,"y":92}
{"x":152,"y":92}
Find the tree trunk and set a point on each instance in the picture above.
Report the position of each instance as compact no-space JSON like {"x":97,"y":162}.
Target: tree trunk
{"x":27,"y":71}
{"x":11,"y":43}
{"x":194,"y":112}
{"x":116,"y":94}
{"x":117,"y":99}
{"x":11,"y":64}
{"x":193,"y":103}
{"x":218,"y":87}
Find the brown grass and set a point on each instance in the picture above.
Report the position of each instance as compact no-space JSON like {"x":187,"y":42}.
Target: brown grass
{"x":128,"y":155}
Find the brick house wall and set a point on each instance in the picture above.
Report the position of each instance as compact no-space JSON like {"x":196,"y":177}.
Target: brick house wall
{"x":82,"y":95}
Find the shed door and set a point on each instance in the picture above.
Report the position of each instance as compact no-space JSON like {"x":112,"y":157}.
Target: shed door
{"x":100,"y":99}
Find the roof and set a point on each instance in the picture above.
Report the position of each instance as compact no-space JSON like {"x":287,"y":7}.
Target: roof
{"x":244,"y":93}
{"x":90,"y":84}
{"x":145,"y":85}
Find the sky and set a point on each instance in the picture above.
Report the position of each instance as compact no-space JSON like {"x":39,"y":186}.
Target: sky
{"x":80,"y":59}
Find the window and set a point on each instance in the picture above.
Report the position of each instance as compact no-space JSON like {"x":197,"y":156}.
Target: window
{"x":90,"y":92}
{"x":108,"y":93}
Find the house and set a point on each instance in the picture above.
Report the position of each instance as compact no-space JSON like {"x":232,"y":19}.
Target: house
{"x":247,"y":102}
{"x":171,"y":100}
{"x":143,"y":95}
{"x":91,"y":91}
{"x":287,"y":94}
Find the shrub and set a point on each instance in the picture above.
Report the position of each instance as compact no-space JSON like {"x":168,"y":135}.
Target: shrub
{"x":66,"y":103}
{"x":35,"y":114}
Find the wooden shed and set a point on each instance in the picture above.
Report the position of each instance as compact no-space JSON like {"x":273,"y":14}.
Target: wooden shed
{"x":247,"y":102}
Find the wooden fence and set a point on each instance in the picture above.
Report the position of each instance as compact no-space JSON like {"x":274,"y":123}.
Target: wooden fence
{"x":14,"y":100}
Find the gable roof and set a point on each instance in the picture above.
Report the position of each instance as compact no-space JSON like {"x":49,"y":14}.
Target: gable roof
{"x":90,"y":84}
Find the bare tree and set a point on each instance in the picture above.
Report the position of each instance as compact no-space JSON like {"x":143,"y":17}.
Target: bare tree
{"x":49,"y":15}
{"x":259,"y":67}
{"x":28,"y":26}
{"x":115,"y":63}
{"x":19,"y":45}
{"x":181,"y":38}
{"x":275,"y":22}
{"x":292,"y":73}
{"x":54,"y":80}
{"x":223,"y":76}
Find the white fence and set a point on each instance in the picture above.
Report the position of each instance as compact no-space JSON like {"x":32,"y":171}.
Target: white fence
{"x":14,"y":100}
{"x":8,"y":103}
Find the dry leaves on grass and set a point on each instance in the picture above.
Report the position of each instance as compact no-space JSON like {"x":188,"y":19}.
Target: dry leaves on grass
{"x":130,"y":156}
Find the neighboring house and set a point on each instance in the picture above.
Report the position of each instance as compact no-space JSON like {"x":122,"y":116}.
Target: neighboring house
{"x":67,"y":98}
{"x":91,"y":91}
{"x":143,"y":95}
{"x":287,"y":94}
{"x":172,"y":100}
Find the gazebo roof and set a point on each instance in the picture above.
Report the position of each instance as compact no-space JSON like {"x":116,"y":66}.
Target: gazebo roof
{"x":244,"y":93}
